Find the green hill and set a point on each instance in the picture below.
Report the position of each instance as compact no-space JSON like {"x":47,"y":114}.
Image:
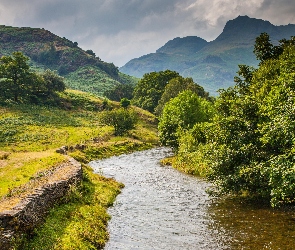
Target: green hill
{"x":82,"y":70}
{"x":214,"y":64}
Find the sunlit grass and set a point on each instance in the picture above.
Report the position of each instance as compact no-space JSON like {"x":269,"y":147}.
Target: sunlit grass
{"x":29,"y":137}
{"x":20,"y":167}
{"x":81,"y":222}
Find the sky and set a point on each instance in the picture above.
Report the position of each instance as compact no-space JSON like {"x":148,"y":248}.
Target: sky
{"x":120,"y":30}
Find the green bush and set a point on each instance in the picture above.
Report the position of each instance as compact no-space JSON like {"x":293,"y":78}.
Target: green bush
{"x":121,"y":119}
{"x":182,"y":113}
{"x":254,"y":130}
{"x":125,"y":103}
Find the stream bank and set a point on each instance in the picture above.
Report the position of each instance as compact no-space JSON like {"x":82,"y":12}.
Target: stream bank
{"x":162,"y":208}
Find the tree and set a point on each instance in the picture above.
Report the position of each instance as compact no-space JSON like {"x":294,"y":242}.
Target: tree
{"x":265,"y":50}
{"x":176,"y":86}
{"x":252,"y":151}
{"x":19,"y":83}
{"x":15,"y":76}
{"x":120,"y":91}
{"x":90,"y":52}
{"x":182,"y":113}
{"x":53,"y":82}
{"x":125,"y":103}
{"x":150,"y":88}
{"x":45,"y":86}
{"x":121,"y":119}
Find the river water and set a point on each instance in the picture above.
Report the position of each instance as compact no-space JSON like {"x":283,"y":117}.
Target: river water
{"x":162,"y":208}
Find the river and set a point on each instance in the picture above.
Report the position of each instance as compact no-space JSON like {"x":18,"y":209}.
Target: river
{"x":162,"y":208}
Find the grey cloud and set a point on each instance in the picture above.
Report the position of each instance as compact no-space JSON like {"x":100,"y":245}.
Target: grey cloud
{"x":120,"y":30}
{"x":277,"y":12}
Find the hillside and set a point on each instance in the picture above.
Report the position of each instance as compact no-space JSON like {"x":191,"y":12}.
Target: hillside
{"x":213,"y":64}
{"x":35,"y":142}
{"x":83,"y":70}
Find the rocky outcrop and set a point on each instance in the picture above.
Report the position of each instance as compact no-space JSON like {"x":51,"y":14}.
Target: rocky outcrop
{"x":20,"y":214}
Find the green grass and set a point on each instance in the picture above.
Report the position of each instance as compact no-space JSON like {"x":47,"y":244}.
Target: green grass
{"x":20,"y":167}
{"x":81,"y":222}
{"x":29,"y":137}
{"x":90,"y":79}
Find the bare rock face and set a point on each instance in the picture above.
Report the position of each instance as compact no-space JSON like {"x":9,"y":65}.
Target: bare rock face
{"x":31,"y":208}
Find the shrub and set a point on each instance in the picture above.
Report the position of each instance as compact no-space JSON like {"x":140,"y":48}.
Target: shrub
{"x":121,"y":119}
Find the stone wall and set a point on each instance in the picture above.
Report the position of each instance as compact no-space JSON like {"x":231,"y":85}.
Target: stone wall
{"x":31,"y":210}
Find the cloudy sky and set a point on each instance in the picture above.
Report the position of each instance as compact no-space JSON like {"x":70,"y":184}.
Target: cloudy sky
{"x":120,"y":30}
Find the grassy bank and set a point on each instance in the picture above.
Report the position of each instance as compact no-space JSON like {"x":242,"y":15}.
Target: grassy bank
{"x":80,"y":222}
{"x":29,"y":137}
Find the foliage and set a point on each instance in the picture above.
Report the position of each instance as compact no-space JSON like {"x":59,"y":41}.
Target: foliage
{"x":174,"y":87}
{"x":194,"y":154}
{"x":121,"y":119}
{"x":16,"y":78}
{"x":182,"y":113}
{"x":120,"y":91}
{"x":46,"y":87}
{"x":19,"y":83}
{"x":81,"y":222}
{"x":125,"y":103}
{"x":265,"y":50}
{"x":211,"y":64}
{"x":249,"y":147}
{"x":150,"y":88}
{"x":49,"y":51}
{"x":90,"y":52}
{"x":94,"y":80}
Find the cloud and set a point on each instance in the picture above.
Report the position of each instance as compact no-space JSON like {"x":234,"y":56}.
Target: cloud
{"x":118,"y":31}
{"x":277,"y":12}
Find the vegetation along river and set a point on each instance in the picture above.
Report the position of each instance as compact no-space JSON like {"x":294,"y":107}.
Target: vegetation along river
{"x":162,"y":208}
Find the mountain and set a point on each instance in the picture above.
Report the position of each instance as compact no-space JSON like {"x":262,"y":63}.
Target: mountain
{"x":213,"y":64}
{"x":82,"y":70}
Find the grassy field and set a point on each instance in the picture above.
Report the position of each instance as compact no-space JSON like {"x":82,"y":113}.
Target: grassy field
{"x":29,"y":137}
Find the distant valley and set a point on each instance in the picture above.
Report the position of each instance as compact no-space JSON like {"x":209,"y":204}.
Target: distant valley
{"x":214,"y":64}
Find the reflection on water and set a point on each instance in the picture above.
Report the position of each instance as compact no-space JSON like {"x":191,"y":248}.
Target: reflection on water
{"x":161,"y":208}
{"x":253,"y":226}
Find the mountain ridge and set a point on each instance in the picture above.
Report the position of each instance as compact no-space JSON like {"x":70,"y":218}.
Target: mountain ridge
{"x":214,"y":65}
{"x":82,"y":70}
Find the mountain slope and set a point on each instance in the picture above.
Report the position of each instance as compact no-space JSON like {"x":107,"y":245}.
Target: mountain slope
{"x":81,"y":69}
{"x":214,"y":64}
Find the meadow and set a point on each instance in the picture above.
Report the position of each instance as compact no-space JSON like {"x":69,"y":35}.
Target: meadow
{"x":29,"y":138}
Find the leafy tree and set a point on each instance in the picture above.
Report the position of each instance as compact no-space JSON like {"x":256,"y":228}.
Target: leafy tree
{"x":125,"y":103}
{"x":15,"y":76}
{"x":121,"y":119}
{"x":182,"y":113}
{"x":150,"y":88}
{"x":19,"y":83}
{"x":45,"y":86}
{"x":253,"y":147}
{"x":53,"y":82}
{"x":176,"y":86}
{"x":120,"y":91}
{"x":265,"y":50}
{"x":90,"y":52}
